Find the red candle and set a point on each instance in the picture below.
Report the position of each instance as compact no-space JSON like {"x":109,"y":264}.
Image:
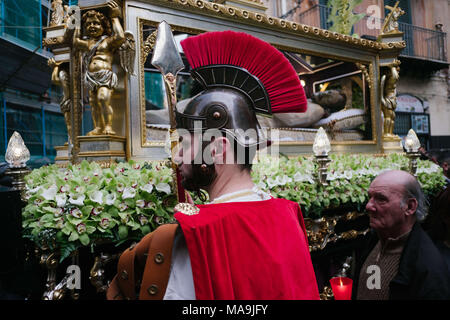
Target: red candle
{"x":342,"y":288}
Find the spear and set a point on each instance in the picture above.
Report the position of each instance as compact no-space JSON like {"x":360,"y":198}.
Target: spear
{"x":167,"y":60}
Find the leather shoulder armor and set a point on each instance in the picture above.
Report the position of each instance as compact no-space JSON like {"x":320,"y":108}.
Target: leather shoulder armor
{"x":143,"y":269}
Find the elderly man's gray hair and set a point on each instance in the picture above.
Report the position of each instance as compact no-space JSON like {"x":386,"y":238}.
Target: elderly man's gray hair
{"x":414,"y":190}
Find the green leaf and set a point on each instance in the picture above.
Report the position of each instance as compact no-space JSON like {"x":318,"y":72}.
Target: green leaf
{"x":66,"y":250}
{"x":113,"y":211}
{"x":145,"y":229}
{"x":123,"y":232}
{"x":84,"y":239}
{"x":87,"y":210}
{"x":133,"y":225}
{"x":47,"y":218}
{"x":73,"y":236}
{"x":90,"y":229}
{"x":60,"y":236}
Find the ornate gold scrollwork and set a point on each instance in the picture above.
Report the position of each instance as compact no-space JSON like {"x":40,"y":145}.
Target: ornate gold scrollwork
{"x":49,"y":260}
{"x":388,"y":85}
{"x":54,"y":290}
{"x":275,"y":23}
{"x":366,"y":74}
{"x":97,"y":273}
{"x":321,"y":231}
{"x":327,"y":294}
{"x":148,"y":46}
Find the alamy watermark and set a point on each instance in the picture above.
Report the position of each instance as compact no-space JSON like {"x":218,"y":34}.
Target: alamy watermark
{"x":374,"y":280}
{"x":374,"y":19}
{"x":73,"y":17}
{"x":74,"y":277}
{"x":190,"y":146}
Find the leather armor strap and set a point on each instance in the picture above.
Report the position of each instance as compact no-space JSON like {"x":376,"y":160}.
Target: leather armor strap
{"x":157,"y":266}
{"x":151,"y":257}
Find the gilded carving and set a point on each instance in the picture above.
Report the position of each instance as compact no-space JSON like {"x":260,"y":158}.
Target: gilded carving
{"x":391,"y":23}
{"x":388,"y":85}
{"x":365,"y":72}
{"x":61,"y":77}
{"x":277,"y":23}
{"x":97,"y":272}
{"x":148,"y":46}
{"x":327,"y":294}
{"x":322,"y":231}
{"x":104,"y":38}
{"x":58,"y":13}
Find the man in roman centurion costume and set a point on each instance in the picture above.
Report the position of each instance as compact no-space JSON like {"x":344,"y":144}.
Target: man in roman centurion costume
{"x":243,"y":244}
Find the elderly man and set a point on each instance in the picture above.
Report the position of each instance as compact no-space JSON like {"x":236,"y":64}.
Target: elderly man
{"x":401,"y":261}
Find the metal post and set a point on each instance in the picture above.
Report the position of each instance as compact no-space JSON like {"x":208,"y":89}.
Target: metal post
{"x":2,"y":20}
{"x":44,"y":151}
{"x":40,"y":23}
{"x":5,"y":129}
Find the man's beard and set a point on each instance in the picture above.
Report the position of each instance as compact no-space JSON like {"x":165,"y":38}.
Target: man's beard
{"x":200,"y":177}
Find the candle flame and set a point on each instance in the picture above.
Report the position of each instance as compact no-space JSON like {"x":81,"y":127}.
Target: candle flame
{"x":340,"y":280}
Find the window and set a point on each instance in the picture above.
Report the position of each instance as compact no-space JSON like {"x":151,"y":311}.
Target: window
{"x":32,"y":123}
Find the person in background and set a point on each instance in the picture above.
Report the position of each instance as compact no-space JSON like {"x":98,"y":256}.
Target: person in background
{"x":445,"y":164}
{"x":440,"y":225}
{"x":401,"y":261}
{"x":424,"y":155}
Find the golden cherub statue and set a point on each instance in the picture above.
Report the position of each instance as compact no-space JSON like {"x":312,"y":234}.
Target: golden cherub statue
{"x":102,"y":39}
{"x":60,"y":77}
{"x":389,"y":98}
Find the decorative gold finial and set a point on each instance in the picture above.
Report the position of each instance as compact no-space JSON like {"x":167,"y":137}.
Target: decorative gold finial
{"x":391,"y":22}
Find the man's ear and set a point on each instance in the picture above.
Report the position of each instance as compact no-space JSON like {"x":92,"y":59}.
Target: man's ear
{"x":411,"y":206}
{"x":219,"y":150}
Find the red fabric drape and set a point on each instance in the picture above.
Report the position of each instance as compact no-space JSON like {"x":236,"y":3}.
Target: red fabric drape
{"x":249,"y":250}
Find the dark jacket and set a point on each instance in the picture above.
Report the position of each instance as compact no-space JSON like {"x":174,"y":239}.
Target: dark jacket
{"x":422,"y":272}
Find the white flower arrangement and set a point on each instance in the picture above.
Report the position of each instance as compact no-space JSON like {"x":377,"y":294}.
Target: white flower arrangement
{"x":84,"y":202}
{"x":349,"y":177}
{"x":76,"y":206}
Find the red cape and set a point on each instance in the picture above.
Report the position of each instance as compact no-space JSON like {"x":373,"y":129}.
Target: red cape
{"x":249,"y":250}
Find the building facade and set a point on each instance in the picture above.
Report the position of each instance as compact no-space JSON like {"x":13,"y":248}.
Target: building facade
{"x":424,"y":87}
{"x":29,"y":103}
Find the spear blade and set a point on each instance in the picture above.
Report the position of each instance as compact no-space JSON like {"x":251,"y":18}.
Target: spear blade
{"x":168,"y":61}
{"x":166,"y":57}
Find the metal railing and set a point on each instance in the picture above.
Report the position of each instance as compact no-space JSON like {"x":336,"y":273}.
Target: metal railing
{"x":420,"y":42}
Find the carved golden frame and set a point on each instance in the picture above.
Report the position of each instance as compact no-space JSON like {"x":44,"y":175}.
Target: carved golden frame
{"x":372,"y":92}
{"x":262,"y":20}
{"x":144,"y":53}
{"x":369,"y":65}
